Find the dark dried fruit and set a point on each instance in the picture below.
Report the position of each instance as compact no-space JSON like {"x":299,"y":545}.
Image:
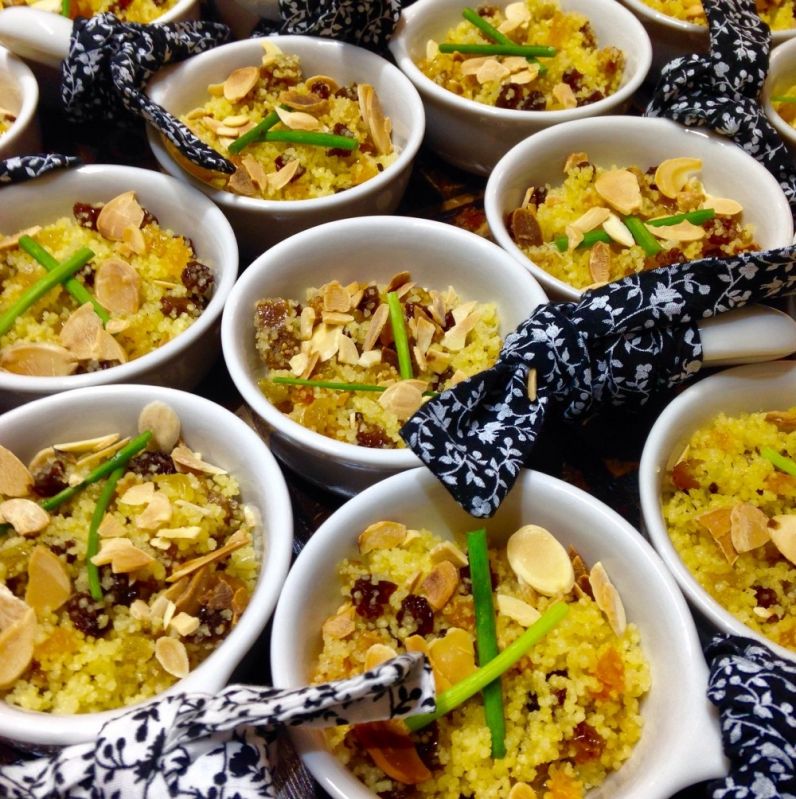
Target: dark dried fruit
{"x":573,"y":78}
{"x":87,"y":615}
{"x":176,"y":306}
{"x":198,"y":278}
{"x":683,"y":475}
{"x":427,"y":745}
{"x":86,"y":215}
{"x":50,"y":480}
{"x":149,"y":463}
{"x":587,"y":743}
{"x":532,"y":703}
{"x":766,"y":597}
{"x":370,"y":597}
{"x":590,"y":98}
{"x":416,"y":609}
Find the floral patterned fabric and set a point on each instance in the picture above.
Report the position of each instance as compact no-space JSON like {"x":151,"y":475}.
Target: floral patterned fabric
{"x":27,"y":167}
{"x":192,"y":746}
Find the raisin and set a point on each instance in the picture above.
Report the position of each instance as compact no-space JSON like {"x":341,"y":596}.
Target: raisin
{"x":510,"y":96}
{"x":713,"y":488}
{"x":50,"y":480}
{"x":63,"y":550}
{"x":151,"y":219}
{"x":487,"y":11}
{"x":590,"y":98}
{"x":665,"y":258}
{"x":766,"y":597}
{"x":538,"y":195}
{"x":588,"y":36}
{"x":121,"y":591}
{"x":370,"y":597}
{"x":149,"y":463}
{"x":280,"y":162}
{"x":370,"y":299}
{"x":86,"y":215}
{"x":86,"y":275}
{"x":573,"y":78}
{"x":587,"y":742}
{"x":532,"y":703}
{"x":217,"y":622}
{"x":464,"y":573}
{"x":85,"y":614}
{"x":198,"y":278}
{"x":176,"y":306}
{"x":373,"y":437}
{"x":346,"y":93}
{"x":389,"y":356}
{"x":534,"y":101}
{"x":416,"y":608}
{"x":427,"y":746}
{"x":321,"y":89}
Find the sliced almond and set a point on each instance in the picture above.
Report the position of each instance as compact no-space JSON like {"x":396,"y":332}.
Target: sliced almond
{"x":102,"y":454}
{"x":539,"y":560}
{"x":134,"y":239}
{"x":450,"y":552}
{"x":325,"y":341}
{"x":240,"y":82}
{"x":783,"y":534}
{"x":455,"y":339}
{"x":525,"y":227}
{"x":453,"y":656}
{"x":122,"y":555}
{"x":574,"y":237}
{"x":784,"y":421}
{"x":256,"y":171}
{"x":119,"y":214}
{"x":377,"y":322}
{"x":564,"y":94}
{"x":381,"y":535}
{"x":192,"y":461}
{"x":172,"y":656}
{"x":49,"y":585}
{"x":336,"y":318}
{"x":139,"y":610}
{"x":180,"y":533}
{"x":748,"y":527}
{"x":620,"y":189}
{"x":238,"y":539}
{"x":600,"y":262}
{"x":470,"y":66}
{"x":592,"y":219}
{"x":15,"y":479}
{"x":673,"y":174}
{"x":297,"y":120}
{"x":379,"y":126}
{"x":403,"y":398}
{"x":369,"y":358}
{"x":80,"y":331}
{"x":185,"y":624}
{"x":235,"y":121}
{"x":723,"y":206}
{"x":525,"y":77}
{"x":607,"y":598}
{"x":241,"y":183}
{"x":618,"y":231}
{"x":439,"y":585}
{"x":38,"y":360}
{"x":340,"y":626}
{"x":682,"y":231}
{"x":24,"y":515}
{"x":162,"y":421}
{"x":575,"y":160}
{"x":12,"y":242}
{"x":118,"y":286}
{"x":378,"y":654}
{"x":347,"y":351}
{"x":111,"y":527}
{"x":717,"y":523}
{"x":95,"y":444}
{"x":424,"y":334}
{"x":306,"y":322}
{"x":335,"y":298}
{"x":517,"y":610}
{"x":491,"y":70}
{"x":17,"y":636}
{"x":279,"y":179}
{"x":517,"y":15}
{"x":139,"y":494}
{"x":108,"y":349}
{"x":157,"y":513}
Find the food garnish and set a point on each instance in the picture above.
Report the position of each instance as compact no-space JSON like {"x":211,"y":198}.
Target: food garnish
{"x":782,"y":463}
{"x":524,"y":50}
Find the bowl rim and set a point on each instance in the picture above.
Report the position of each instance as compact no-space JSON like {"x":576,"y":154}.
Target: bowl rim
{"x":783,"y":57}
{"x":524,"y":152}
{"x":320,"y":761}
{"x":226,"y":272}
{"x":399,"y":48}
{"x":231,"y":340}
{"x":25,"y":81}
{"x":698,"y":399}
{"x":411,"y":104}
{"x":276,"y":527}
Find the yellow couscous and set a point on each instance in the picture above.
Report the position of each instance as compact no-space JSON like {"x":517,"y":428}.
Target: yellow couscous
{"x":344,"y":334}
{"x":731,"y":515}
{"x":578,"y":74}
{"x":174,"y":569}
{"x":571,"y":704}
{"x":322,"y":138}
{"x":604,"y":223}
{"x":147,"y":279}
{"x":130,"y":10}
{"x":777,"y":14}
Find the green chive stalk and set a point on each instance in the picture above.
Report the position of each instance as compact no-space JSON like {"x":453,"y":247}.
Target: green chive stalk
{"x":486,"y":637}
{"x":589,"y":240}
{"x":35,"y":292}
{"x":782,"y":463}
{"x":698,"y":217}
{"x":65,"y":8}
{"x":257,"y":133}
{"x":643,"y":237}
{"x":313,"y":138}
{"x":303,"y":381}
{"x":399,"y":334}
{"x":92,"y":544}
{"x":525,"y":50}
{"x":783,"y":98}
{"x":451,"y":699}
{"x":491,"y":32}
{"x":74,"y":287}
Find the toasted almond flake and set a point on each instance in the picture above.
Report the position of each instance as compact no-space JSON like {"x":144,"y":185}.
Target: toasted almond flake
{"x":159,"y":543}
{"x":298,"y":363}
{"x":783,"y":534}
{"x":432,"y":50}
{"x":335,"y":297}
{"x":168,"y":613}
{"x":139,"y":494}
{"x":420,"y":358}
{"x":12,"y":242}
{"x":517,"y":14}
{"x":723,"y":206}
{"x":212,"y":123}
{"x":172,"y":656}
{"x":564,"y":94}
{"x":255,"y":170}
{"x":157,"y":512}
{"x":185,"y":624}
{"x":242,"y":183}
{"x":306,"y":322}
{"x":369,"y":358}
{"x":309,"y":102}
{"x":748,"y":527}
{"x":403,"y":398}
{"x":336,"y":318}
{"x":600,"y":262}
{"x":682,"y":231}
{"x":424,"y":334}
{"x":515,"y":63}
{"x":521,"y":790}
{"x":240,"y":82}
{"x":450,"y":552}
{"x":17,"y":636}
{"x":618,"y":231}
{"x":37,"y":463}
{"x":279,"y":179}
{"x":297,"y":120}
{"x":470,"y":66}
{"x":526,"y":200}
{"x":575,"y":160}
{"x":111,"y":527}
{"x":440,"y":583}
{"x":381,"y":535}
{"x":378,"y":654}
{"x":122,"y":555}
{"x":134,"y":239}
{"x":38,"y":360}
{"x":102,"y":454}
{"x":325,"y":341}
{"x":592,"y":219}
{"x":607,"y":598}
{"x":673,"y":174}
{"x":49,"y":585}
{"x":620,"y":189}
{"x":162,"y":421}
{"x":117,"y":285}
{"x":118,"y":214}
{"x":763,"y":613}
{"x":347,"y":352}
{"x":539,"y":560}
{"x":215,"y":89}
{"x":235,"y":121}
{"x":184,"y":533}
{"x":15,"y":479}
{"x":461,"y":312}
{"x":456,"y":378}
{"x":455,"y":338}
{"x":517,"y":610}
{"x":240,"y":538}
{"x":192,"y":507}
{"x":108,"y":349}
{"x":139,"y":610}
{"x":531,"y":385}
{"x":379,"y":126}
{"x":574,"y":236}
{"x":159,"y":607}
{"x":341,"y":625}
{"x":95,"y":444}
{"x":405,"y":289}
{"x":525,"y":77}
{"x":192,"y":461}
{"x":491,"y":70}
{"x":24,"y":515}
{"x":377,"y":322}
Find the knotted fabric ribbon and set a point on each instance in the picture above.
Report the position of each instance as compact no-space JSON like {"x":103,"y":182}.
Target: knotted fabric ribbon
{"x":27,"y":167}
{"x":755,"y":692}
{"x":192,"y":745}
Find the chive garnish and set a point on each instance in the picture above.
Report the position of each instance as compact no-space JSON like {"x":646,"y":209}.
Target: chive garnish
{"x":65,"y":8}
{"x":783,"y":98}
{"x":35,"y":292}
{"x":303,"y":381}
{"x":589,"y":240}
{"x":92,"y":544}
{"x":643,"y":237}
{"x":74,"y":287}
{"x":698,"y":217}
{"x":525,"y":50}
{"x":313,"y":138}
{"x":451,"y":699}
{"x":399,"y":334}
{"x":257,"y":133}
{"x":491,"y":32}
{"x":782,"y":463}
{"x":486,"y":637}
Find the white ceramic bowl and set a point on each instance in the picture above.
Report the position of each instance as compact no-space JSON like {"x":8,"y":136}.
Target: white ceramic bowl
{"x":727,"y":171}
{"x":474,"y":136}
{"x":185,"y":359}
{"x":680,"y":741}
{"x":781,"y":76}
{"x":19,"y":93}
{"x":369,"y":248}
{"x":746,"y":389}
{"x":260,"y":223}
{"x":224,"y":440}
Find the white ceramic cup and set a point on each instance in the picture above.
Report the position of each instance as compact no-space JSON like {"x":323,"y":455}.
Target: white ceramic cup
{"x":259,"y":223}
{"x":19,"y":93}
{"x":183,"y":361}
{"x":746,"y":389}
{"x":680,"y":742}
{"x":781,"y":76}
{"x":364,"y":249}
{"x":223,"y":440}
{"x":474,"y":136}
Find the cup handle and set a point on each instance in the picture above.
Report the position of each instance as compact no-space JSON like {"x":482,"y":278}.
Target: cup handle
{"x":39,"y":36}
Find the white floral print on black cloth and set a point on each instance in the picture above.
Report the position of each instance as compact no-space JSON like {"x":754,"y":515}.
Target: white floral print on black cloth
{"x":756,"y":696}
{"x":188,"y":746}
{"x":27,"y":167}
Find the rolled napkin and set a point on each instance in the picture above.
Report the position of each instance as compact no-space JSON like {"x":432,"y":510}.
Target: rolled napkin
{"x":197,"y":745}
{"x":27,"y":167}
{"x":755,"y":692}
